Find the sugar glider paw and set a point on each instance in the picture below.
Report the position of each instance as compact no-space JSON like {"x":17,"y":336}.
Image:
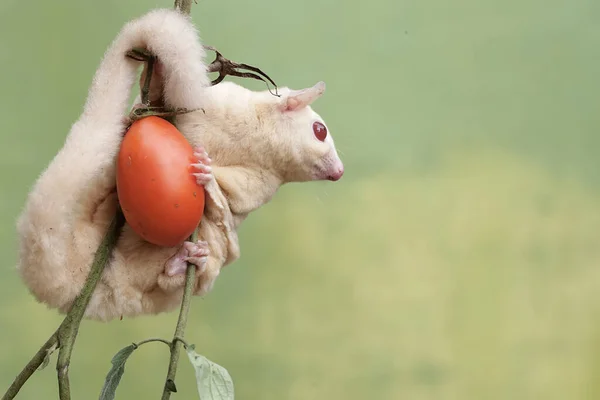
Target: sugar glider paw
{"x":173,"y":276}
{"x":202,"y":169}
{"x":195,"y":253}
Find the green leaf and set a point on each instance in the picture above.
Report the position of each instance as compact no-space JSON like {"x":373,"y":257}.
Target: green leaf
{"x":116,"y":372}
{"x":49,"y":352}
{"x":214,"y":382}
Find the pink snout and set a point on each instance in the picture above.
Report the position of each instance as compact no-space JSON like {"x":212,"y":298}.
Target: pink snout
{"x":337,"y":174}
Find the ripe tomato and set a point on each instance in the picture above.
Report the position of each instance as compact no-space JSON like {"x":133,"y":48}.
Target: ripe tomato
{"x":159,"y":195}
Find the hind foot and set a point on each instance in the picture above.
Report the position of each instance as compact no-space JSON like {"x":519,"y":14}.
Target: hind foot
{"x":173,"y":276}
{"x":194,"y":253}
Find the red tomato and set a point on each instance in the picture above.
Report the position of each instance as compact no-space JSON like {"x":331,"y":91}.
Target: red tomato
{"x":159,"y":195}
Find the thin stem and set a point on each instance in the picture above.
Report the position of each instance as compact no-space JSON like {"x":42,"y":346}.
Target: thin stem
{"x":153,"y":340}
{"x":190,"y":280}
{"x":31,"y":367}
{"x":146,"y":87}
{"x":226,"y":67}
{"x":185,"y":6}
{"x":67,"y":333}
{"x":178,"y":339}
{"x":143,"y":112}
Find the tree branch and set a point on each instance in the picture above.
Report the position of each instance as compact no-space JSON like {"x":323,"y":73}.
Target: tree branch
{"x":31,"y":367}
{"x":184,"y":6}
{"x":67,"y":333}
{"x":190,"y":279}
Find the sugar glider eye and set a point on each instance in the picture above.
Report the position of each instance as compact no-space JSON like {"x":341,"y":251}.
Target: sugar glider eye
{"x":320,"y":131}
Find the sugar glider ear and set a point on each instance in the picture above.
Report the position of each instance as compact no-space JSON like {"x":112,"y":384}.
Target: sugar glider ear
{"x":297,"y":99}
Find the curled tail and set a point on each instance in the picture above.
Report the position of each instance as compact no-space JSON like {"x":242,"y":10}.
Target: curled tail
{"x":170,"y":36}
{"x":61,"y":226}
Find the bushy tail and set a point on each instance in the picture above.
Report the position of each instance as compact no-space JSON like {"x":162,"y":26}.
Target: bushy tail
{"x":170,"y":36}
{"x":58,"y":232}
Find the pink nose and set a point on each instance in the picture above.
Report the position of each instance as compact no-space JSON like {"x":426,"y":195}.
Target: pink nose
{"x":336,"y":175}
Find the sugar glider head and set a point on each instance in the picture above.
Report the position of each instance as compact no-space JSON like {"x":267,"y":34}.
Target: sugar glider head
{"x":311,"y":153}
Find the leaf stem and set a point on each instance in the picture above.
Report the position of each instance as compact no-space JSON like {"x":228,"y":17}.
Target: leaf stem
{"x":153,"y":340}
{"x":178,"y":339}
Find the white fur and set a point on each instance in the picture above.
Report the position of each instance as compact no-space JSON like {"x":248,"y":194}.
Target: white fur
{"x":259,"y":132}
{"x":256,"y":141}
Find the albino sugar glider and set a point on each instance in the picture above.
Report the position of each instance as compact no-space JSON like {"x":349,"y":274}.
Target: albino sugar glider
{"x":256,"y":141}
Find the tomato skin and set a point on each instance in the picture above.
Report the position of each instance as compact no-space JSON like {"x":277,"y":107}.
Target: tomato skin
{"x":158,"y":194}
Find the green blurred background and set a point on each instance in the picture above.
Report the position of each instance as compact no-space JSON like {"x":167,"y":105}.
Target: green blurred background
{"x":458,"y":258}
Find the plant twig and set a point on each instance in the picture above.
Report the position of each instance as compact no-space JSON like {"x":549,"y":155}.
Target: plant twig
{"x":179,"y":339}
{"x":67,"y":333}
{"x":146,"y":87}
{"x":226,"y":67}
{"x":185,"y":6}
{"x":153,"y":340}
{"x":190,"y":280}
{"x":30,"y":368}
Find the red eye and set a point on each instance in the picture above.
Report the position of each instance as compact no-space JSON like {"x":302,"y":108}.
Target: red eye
{"x":320,"y":131}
